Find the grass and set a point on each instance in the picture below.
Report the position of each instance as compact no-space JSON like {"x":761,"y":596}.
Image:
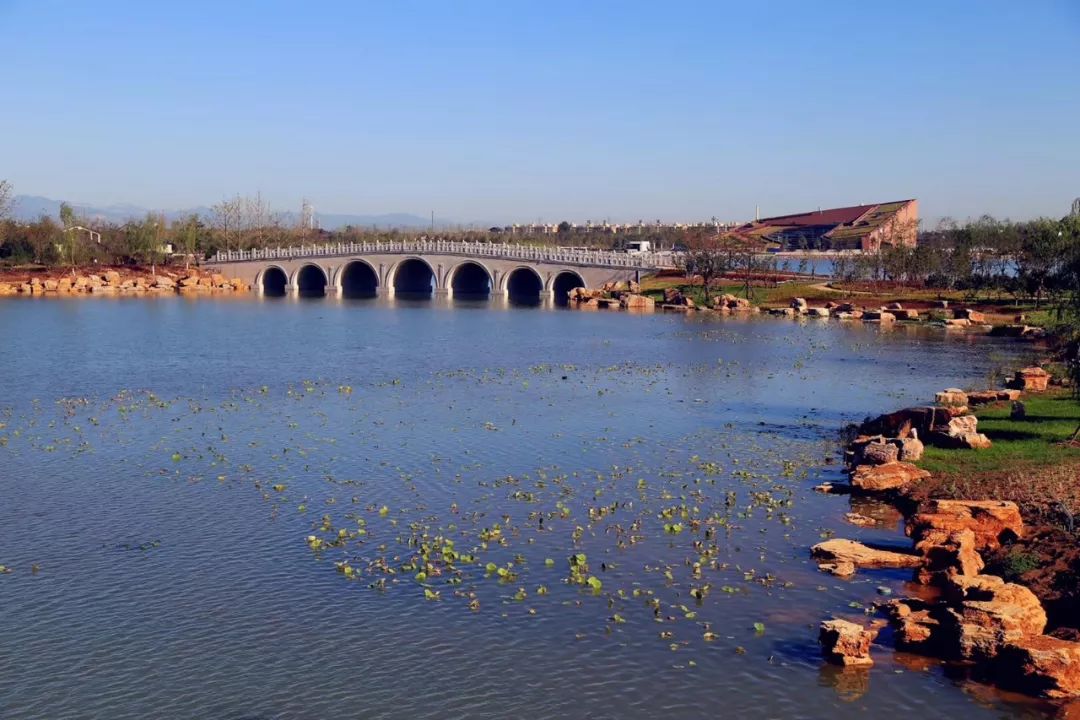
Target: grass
{"x":1035,"y":441}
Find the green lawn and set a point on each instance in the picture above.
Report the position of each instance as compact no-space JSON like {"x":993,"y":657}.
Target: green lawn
{"x":1033,"y":442}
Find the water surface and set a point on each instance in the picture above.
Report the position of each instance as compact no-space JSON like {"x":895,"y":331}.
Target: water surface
{"x":165,"y":462}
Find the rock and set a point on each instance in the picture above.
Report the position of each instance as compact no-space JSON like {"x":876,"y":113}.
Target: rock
{"x":854,"y":315}
{"x":878,"y":316}
{"x":218,"y":280}
{"x":918,"y":625}
{"x":972,"y":316}
{"x":893,"y":306}
{"x":846,"y":643}
{"x":839,"y":550}
{"x":637,"y":302}
{"x":674,"y":296}
{"x":162,"y":281}
{"x":991,"y":613}
{"x":879,"y":453}
{"x":962,"y":425}
{"x":635,"y":288}
{"x":103,"y":289}
{"x":190,"y":281}
{"x":992,"y":521}
{"x":7,"y":289}
{"x":986,"y":397}
{"x":861,"y":520}
{"x":940,"y":304}
{"x":946,"y":554}
{"x":689,"y":302}
{"x":1040,"y":665}
{"x":241,"y":286}
{"x":51,"y":285}
{"x":818,"y":312}
{"x":111,"y":277}
{"x":787,"y":312}
{"x":205,"y":282}
{"x":890,"y":476}
{"x":951,"y":396}
{"x":1031,"y":379}
{"x":957,"y":322}
{"x":906,"y":314}
{"x":909,"y":450}
{"x":799,"y":305}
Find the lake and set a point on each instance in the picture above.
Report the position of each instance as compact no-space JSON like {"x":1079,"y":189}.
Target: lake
{"x":373,"y":509}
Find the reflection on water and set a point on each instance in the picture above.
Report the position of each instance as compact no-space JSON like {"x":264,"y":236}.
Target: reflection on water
{"x":165,"y":462}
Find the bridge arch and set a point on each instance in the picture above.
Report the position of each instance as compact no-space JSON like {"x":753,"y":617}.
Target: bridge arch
{"x":523,"y":283}
{"x":413,"y":276}
{"x":470,"y":279}
{"x":357,"y":278}
{"x":311,"y":280}
{"x":562,"y":283}
{"x":272,"y":281}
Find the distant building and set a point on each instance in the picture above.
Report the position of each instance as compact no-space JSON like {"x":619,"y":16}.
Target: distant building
{"x":860,"y":227}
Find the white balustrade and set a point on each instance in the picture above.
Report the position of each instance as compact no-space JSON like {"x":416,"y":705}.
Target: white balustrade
{"x":606,"y":258}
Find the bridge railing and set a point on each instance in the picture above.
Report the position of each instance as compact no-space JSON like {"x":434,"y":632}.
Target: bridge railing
{"x":501,"y":251}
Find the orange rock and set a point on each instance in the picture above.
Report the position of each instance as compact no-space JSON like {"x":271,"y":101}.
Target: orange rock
{"x":946,"y":554}
{"x":992,"y":521}
{"x":849,"y":552}
{"x":890,"y":476}
{"x":846,"y":643}
{"x":1041,"y":665}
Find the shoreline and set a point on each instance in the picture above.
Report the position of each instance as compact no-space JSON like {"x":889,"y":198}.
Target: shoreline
{"x":965,"y":610}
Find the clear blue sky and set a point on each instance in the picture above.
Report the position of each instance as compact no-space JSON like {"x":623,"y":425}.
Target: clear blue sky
{"x":507,"y":110}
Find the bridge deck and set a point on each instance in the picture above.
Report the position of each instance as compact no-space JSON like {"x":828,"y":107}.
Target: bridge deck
{"x":501,"y":251}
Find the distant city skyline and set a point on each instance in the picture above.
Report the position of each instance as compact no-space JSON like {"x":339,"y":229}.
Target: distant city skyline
{"x":487,"y":112}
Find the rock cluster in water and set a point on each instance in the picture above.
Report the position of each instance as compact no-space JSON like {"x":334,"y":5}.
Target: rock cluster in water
{"x":996,"y":627}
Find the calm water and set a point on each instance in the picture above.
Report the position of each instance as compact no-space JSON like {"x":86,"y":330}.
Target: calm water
{"x":164,"y":462}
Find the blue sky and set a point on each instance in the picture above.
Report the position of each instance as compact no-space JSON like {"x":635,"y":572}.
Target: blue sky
{"x":513,"y":111}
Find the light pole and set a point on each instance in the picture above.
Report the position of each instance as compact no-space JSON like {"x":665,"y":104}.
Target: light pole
{"x":94,"y":237}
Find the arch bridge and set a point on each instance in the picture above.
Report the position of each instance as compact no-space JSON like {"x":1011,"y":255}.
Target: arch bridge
{"x":422,"y":268}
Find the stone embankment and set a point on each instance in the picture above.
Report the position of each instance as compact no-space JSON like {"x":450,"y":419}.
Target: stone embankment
{"x":942,"y":314}
{"x":618,"y":295}
{"x":997,"y":628}
{"x":123,"y":281}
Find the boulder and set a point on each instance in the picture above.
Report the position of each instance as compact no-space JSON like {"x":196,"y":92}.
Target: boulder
{"x":991,"y":613}
{"x":946,"y":554}
{"x":674,"y":296}
{"x":893,"y":306}
{"x":909,"y":449}
{"x":1031,"y":379}
{"x":818,"y":312}
{"x":51,"y":285}
{"x":853,"y":315}
{"x":190,"y":281}
{"x":986,"y":397}
{"x":991,"y":521}
{"x":890,"y":476}
{"x":799,"y":305}
{"x":787,"y":312}
{"x":635,"y":288}
{"x":879,"y":453}
{"x":7,"y":289}
{"x":218,"y":280}
{"x":636,"y":302}
{"x":972,"y":316}
{"x":906,"y":314}
{"x":850,"y":553}
{"x":961,"y":425}
{"x":878,"y":316}
{"x":951,"y":396}
{"x":957,"y":322}
{"x":940,"y":304}
{"x":111,"y":277}
{"x":1040,"y":665}
{"x":920,"y":626}
{"x":162,"y":281}
{"x":241,"y":286}
{"x":846,"y":643}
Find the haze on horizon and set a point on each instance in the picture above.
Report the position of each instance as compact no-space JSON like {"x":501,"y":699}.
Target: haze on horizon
{"x":513,"y":112}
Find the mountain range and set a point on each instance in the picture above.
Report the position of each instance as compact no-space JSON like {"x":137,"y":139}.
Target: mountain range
{"x":30,"y":207}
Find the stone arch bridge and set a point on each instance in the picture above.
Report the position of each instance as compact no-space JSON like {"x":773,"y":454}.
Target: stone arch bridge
{"x":417,"y":268}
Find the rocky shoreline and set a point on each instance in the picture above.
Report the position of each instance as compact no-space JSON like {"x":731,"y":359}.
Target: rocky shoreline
{"x":123,"y":281}
{"x":995,"y":629}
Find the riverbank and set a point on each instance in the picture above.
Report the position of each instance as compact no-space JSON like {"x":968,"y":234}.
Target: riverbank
{"x":928,"y":303}
{"x":116,"y":280}
{"x":988,"y":483}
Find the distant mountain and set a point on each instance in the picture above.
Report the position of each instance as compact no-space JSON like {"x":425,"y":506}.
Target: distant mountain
{"x":31,"y":207}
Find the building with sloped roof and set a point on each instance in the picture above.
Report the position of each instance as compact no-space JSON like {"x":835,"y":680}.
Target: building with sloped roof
{"x":860,"y":227}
